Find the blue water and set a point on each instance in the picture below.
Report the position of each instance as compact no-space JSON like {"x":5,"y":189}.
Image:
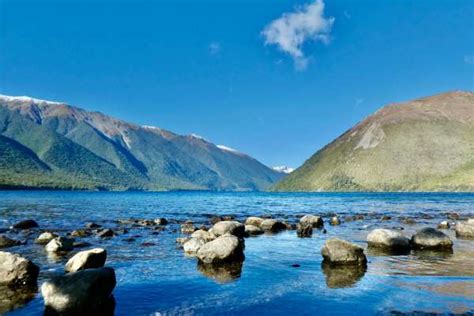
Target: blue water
{"x":159,"y":280}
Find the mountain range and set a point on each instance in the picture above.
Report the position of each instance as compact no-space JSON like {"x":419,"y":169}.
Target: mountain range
{"x":422,"y":145}
{"x":46,"y":144}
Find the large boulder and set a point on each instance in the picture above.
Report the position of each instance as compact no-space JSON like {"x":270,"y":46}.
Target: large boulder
{"x":465,"y":229}
{"x":204,"y":235}
{"x":252,"y":230}
{"x":272,"y":225}
{"x":87,"y":259}
{"x":315,"y":221}
{"x":341,"y":252}
{"x":432,"y":239}
{"x":6,"y":242}
{"x":26,"y":224}
{"x":304,"y":230}
{"x":192,"y":246}
{"x":228,"y":227}
{"x":60,"y":244}
{"x":255,"y":221}
{"x":226,"y":248}
{"x":16,"y":271}
{"x":45,"y":238}
{"x":388,"y":239}
{"x":80,"y":293}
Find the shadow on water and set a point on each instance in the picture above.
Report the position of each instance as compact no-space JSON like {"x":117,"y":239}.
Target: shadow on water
{"x":11,"y":299}
{"x":103,"y":308}
{"x":342,"y":276}
{"x":382,"y":252}
{"x":222,"y":273}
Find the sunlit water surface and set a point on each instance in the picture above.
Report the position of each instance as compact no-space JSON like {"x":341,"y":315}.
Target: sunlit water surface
{"x":156,"y":278}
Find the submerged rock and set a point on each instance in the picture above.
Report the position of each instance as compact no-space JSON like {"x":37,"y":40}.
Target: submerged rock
{"x":315,"y":221}
{"x":6,"y":242}
{"x":272,"y":226}
{"x":16,"y":271}
{"x":255,"y":221}
{"x":253,"y":230}
{"x":91,"y":225}
{"x":45,"y":238}
{"x":80,"y":233}
{"x":388,"y":239}
{"x":341,"y":252}
{"x":86,"y":292}
{"x":465,"y":229}
{"x":304,"y":230}
{"x":228,"y":227}
{"x":11,"y":299}
{"x":226,"y":248}
{"x":107,"y":232}
{"x":431,"y":238}
{"x":192,"y":246}
{"x":88,"y":259}
{"x":26,"y":224}
{"x":60,"y":244}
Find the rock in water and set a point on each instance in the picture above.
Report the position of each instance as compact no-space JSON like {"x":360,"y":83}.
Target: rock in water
{"x":80,"y":293}
{"x":465,"y":229}
{"x":315,"y":221}
{"x":188,"y":228}
{"x":253,"y":230}
{"x":26,"y":224}
{"x":88,"y":259}
{"x":341,"y":252}
{"x":192,"y":246}
{"x":335,"y":221}
{"x":272,"y":225}
{"x":60,"y":244}
{"x":255,"y":221}
{"x":388,"y":239}
{"x":444,"y":225}
{"x":226,"y":248}
{"x":45,"y":238}
{"x":6,"y":242}
{"x":431,"y":238}
{"x":304,"y":230}
{"x":228,"y":227}
{"x":107,"y":232}
{"x":16,"y":271}
{"x":204,"y":235}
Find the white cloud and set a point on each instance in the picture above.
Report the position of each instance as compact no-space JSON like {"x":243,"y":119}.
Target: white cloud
{"x":469,"y":59}
{"x":293,"y":29}
{"x":214,"y":48}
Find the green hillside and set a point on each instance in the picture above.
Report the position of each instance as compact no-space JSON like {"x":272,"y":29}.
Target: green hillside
{"x":422,"y":145}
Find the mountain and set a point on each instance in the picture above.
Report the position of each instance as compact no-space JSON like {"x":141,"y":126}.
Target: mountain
{"x":55,"y":145}
{"x":421,"y":145}
{"x":283,"y":169}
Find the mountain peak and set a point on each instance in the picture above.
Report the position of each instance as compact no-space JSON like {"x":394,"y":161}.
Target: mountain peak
{"x":26,"y":99}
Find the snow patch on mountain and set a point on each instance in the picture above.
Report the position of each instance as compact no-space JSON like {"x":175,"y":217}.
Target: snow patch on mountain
{"x":8,"y":98}
{"x":284,"y":169}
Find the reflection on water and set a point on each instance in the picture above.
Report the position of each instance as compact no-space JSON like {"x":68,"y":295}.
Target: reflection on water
{"x":382,"y":252}
{"x":342,"y":276}
{"x":104,"y":308}
{"x":222,"y":273}
{"x":14,"y":298}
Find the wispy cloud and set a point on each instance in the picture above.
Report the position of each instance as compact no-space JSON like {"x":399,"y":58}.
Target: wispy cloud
{"x":469,"y":59}
{"x":214,"y":48}
{"x":293,"y":29}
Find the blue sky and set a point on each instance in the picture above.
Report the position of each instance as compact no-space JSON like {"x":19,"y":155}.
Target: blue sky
{"x":276,"y":79}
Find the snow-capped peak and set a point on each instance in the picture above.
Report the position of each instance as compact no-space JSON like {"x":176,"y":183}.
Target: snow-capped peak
{"x":26,"y":99}
{"x":198,"y":137}
{"x":284,"y":169}
{"x":150,"y":127}
{"x":223,"y":147}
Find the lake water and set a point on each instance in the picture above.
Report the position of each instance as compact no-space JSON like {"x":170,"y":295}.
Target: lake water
{"x":155,"y":278}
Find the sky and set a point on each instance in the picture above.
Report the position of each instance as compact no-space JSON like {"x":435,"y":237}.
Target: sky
{"x":276,"y":79}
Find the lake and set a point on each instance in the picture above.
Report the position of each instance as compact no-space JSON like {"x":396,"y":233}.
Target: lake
{"x":154,"y":277}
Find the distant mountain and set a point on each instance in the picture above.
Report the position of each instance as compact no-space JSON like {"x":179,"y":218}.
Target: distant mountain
{"x":55,"y":145}
{"x":422,"y":145}
{"x":284,"y":169}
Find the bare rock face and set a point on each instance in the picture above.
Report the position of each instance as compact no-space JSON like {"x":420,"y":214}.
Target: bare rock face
{"x":304,"y":230}
{"x":255,"y":221}
{"x":226,"y":248}
{"x":88,"y":259}
{"x":6,"y":242}
{"x":315,"y":221}
{"x":272,"y":225}
{"x":465,"y":229}
{"x":16,"y":271}
{"x":59,"y":244}
{"x":432,"y":239}
{"x":341,"y":252}
{"x":388,"y":239}
{"x":192,"y":246}
{"x":253,"y":230}
{"x":45,"y":238}
{"x":86,"y":292}
{"x":228,"y":227}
